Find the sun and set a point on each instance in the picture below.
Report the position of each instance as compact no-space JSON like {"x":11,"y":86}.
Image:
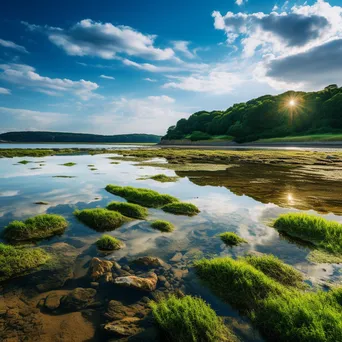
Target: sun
{"x":292,"y":103}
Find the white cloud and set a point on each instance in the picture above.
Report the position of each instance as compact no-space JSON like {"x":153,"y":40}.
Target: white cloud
{"x":150,"y":79}
{"x":104,"y":40}
{"x":5,"y":91}
{"x":240,"y":2}
{"x":11,"y":45}
{"x":151,"y":67}
{"x":26,"y":76}
{"x":215,"y":82}
{"x":107,"y":77}
{"x":182,"y":46}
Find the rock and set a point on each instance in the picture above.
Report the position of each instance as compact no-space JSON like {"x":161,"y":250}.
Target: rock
{"x":117,"y":311}
{"x":177,"y":257}
{"x":179,"y":273}
{"x":162,"y":279}
{"x":147,"y":283}
{"x":100,"y":267}
{"x":148,"y":261}
{"x":94,"y":284}
{"x":78,"y":299}
{"x":52,"y":301}
{"x":126,"y":327}
{"x":125,"y":268}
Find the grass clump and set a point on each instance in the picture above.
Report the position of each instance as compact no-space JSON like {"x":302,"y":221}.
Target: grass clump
{"x":324,"y":234}
{"x":277,"y":270}
{"x":108,"y":243}
{"x":101,"y":219}
{"x":129,"y":209}
{"x":181,"y":208}
{"x":189,"y":319}
{"x":282,"y":313}
{"x":36,"y":228}
{"x":232,"y":239}
{"x":144,"y":197}
{"x":24,"y":162}
{"x":163,"y":226}
{"x":16,"y":261}
{"x":69,"y":164}
{"x":162,"y":178}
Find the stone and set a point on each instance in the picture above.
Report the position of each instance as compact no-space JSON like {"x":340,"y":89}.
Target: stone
{"x":147,"y":283}
{"x":100,"y":267}
{"x":128,"y":326}
{"x":52,"y":301}
{"x":78,"y":299}
{"x":179,"y":273}
{"x":177,"y":257}
{"x":149,"y":261}
{"x":94,"y":284}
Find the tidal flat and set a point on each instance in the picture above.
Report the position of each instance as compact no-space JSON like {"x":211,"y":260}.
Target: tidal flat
{"x":79,"y":285}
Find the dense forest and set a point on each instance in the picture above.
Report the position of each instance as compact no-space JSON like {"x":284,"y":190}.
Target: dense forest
{"x":288,"y":114}
{"x":60,"y":137}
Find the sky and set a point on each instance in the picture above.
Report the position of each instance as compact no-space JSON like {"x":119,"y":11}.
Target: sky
{"x":133,"y":66}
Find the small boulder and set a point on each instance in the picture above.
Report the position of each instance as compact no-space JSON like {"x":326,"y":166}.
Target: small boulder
{"x":149,"y":262}
{"x":52,"y":301}
{"x":100,"y":267}
{"x":125,"y":327}
{"x":147,"y":283}
{"x":78,"y":299}
{"x":177,"y":257}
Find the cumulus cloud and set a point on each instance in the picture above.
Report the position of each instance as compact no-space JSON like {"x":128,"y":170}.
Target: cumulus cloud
{"x":11,"y":45}
{"x":215,"y":82}
{"x":107,"y":77}
{"x":26,"y":76}
{"x":104,"y":40}
{"x":240,"y":2}
{"x":295,"y":31}
{"x":183,"y":46}
{"x":4,"y":91}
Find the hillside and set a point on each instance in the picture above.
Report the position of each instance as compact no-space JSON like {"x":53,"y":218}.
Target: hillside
{"x":285,"y":115}
{"x":61,"y":137}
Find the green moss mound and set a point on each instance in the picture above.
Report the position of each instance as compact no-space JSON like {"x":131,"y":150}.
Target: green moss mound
{"x":144,"y":197}
{"x":69,"y":164}
{"x":163,"y":226}
{"x":129,"y":209}
{"x":181,"y":208}
{"x":15,"y":261}
{"x":162,"y":178}
{"x":189,"y":319}
{"x":35,"y":228}
{"x":282,"y":313}
{"x":277,"y":270}
{"x":101,"y":219}
{"x":324,"y":234}
{"x":232,"y":239}
{"x":108,"y":243}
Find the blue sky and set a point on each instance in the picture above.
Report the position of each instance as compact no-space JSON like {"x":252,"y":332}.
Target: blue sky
{"x":137,"y":66}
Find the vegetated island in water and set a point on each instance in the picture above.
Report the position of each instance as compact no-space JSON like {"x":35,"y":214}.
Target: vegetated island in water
{"x":64,"y":137}
{"x":295,"y":117}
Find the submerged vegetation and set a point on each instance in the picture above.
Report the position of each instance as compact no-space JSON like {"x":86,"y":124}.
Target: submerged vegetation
{"x":163,"y":226}
{"x":36,"y":228}
{"x":144,"y":197}
{"x":69,"y":164}
{"x":101,"y":219}
{"x":16,"y":261}
{"x":181,"y":208}
{"x":162,"y":178}
{"x":24,"y":162}
{"x":282,"y":313}
{"x":324,"y":234}
{"x":232,"y":239}
{"x":189,"y":319}
{"x":129,"y":209}
{"x":108,"y":243}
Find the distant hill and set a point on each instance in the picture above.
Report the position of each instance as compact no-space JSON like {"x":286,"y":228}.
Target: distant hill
{"x":285,"y":115}
{"x":61,"y":137}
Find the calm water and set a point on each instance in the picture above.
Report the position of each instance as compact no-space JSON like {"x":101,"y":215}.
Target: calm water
{"x":222,"y":210}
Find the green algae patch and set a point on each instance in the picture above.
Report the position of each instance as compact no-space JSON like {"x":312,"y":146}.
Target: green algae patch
{"x":100,"y":219}
{"x":63,"y":176}
{"x":144,"y":197}
{"x":232,"y":239}
{"x":93,"y":169}
{"x":324,"y":234}
{"x":189,"y":319}
{"x":277,"y":270}
{"x":42,"y":203}
{"x":281,"y":313}
{"x":181,"y":208}
{"x":69,"y":164}
{"x":129,"y":209}
{"x":108,"y":243}
{"x":36,"y":228}
{"x":17,"y":261}
{"x":24,"y":162}
{"x":163,"y":226}
{"x":161,"y":178}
